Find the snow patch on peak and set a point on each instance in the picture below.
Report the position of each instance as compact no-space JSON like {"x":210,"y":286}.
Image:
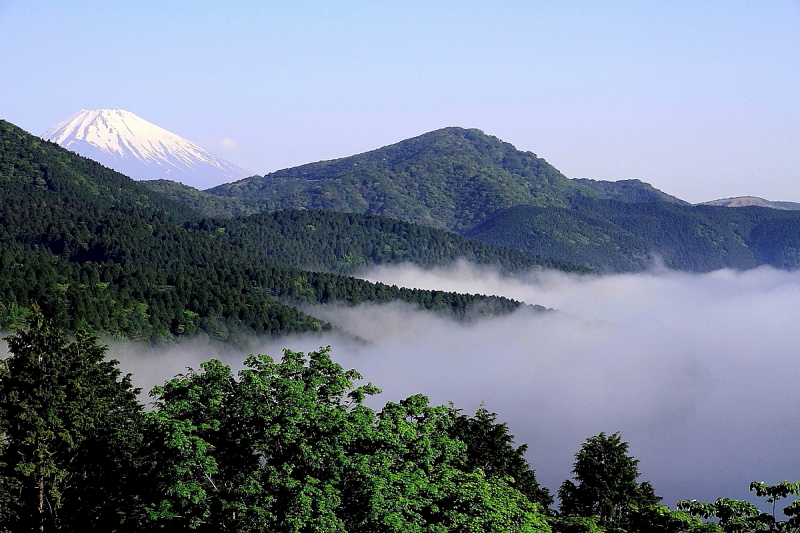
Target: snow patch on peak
{"x":131,"y":145}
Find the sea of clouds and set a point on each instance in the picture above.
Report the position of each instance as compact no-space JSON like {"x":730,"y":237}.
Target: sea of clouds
{"x":699,"y":372}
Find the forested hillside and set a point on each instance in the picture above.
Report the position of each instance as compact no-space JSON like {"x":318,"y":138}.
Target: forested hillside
{"x":629,"y":191}
{"x":208,"y":205}
{"x":99,"y":251}
{"x":566,"y":233}
{"x":340,"y":242}
{"x":617,"y":236}
{"x":346,"y":242}
{"x":485,"y":189}
{"x":452,"y":178}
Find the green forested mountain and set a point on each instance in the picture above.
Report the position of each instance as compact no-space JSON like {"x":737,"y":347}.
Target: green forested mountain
{"x":566,"y":233}
{"x":59,"y":179}
{"x":344,"y":242}
{"x":100,"y":251}
{"x":451,"y":178}
{"x":485,"y":189}
{"x":339,"y":242}
{"x":96,"y":249}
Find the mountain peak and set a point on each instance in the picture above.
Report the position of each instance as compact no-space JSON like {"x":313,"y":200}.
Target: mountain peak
{"x":129,"y":144}
{"x":748,"y":201}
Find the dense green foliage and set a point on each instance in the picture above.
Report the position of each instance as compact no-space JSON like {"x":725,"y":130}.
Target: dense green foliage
{"x":347,"y":242}
{"x":291,"y":447}
{"x":736,"y":516}
{"x":283,"y":446}
{"x":69,"y":433}
{"x":606,"y":485}
{"x":490,"y":448}
{"x":97,"y":250}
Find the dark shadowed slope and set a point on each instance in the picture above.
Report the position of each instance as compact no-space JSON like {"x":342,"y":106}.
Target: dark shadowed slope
{"x":349,"y":242}
{"x":209,"y":205}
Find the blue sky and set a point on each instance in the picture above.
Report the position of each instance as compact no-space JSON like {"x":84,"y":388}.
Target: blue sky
{"x":699,"y":98}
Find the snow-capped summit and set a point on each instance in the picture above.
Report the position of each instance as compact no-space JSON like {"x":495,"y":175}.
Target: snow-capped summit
{"x":139,"y":149}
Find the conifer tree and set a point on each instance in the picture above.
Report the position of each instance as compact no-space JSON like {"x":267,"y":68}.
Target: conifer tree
{"x":607,"y":486}
{"x":68,"y":431}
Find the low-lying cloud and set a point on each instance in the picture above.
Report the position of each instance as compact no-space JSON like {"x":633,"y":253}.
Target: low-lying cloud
{"x":698,"y":372}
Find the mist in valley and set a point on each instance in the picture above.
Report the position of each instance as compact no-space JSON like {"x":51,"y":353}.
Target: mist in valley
{"x":698,"y":372}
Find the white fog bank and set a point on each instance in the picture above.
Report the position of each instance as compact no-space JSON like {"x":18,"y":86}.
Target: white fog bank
{"x":698,"y":372}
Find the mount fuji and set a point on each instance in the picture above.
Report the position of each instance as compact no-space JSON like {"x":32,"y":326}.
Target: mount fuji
{"x":139,"y":149}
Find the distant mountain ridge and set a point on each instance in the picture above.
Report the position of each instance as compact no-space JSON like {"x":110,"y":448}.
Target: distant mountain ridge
{"x":139,"y":149}
{"x":483,"y":188}
{"x":748,"y":201}
{"x":452,"y":178}
{"x":630,"y":191}
{"x":614,"y":236}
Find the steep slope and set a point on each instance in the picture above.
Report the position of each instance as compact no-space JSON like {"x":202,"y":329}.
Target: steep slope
{"x":29,"y":165}
{"x":139,"y":149}
{"x":485,"y":189}
{"x":451,"y":178}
